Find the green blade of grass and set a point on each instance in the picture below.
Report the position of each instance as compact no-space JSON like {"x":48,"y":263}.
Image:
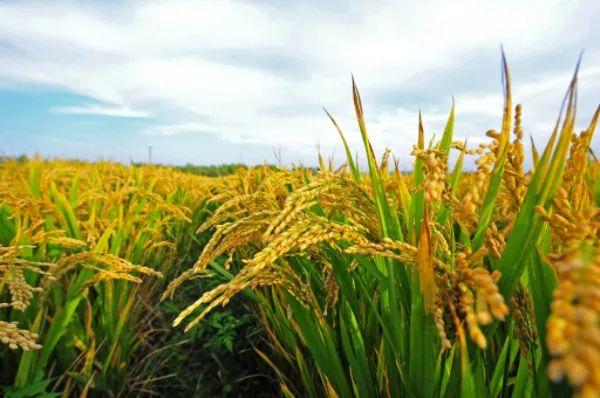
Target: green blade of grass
{"x":353,"y":168}
{"x":489,"y":203}
{"x":544,"y":182}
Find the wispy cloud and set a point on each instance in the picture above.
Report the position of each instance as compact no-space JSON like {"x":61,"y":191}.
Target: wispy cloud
{"x":100,"y":110}
{"x":174,"y":129}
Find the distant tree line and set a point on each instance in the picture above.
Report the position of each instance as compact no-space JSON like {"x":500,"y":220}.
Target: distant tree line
{"x":211,"y":171}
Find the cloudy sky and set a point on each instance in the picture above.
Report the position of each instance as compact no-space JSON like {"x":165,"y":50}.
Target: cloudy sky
{"x":228,"y":81}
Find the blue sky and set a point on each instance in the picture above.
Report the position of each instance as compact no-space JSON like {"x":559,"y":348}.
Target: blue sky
{"x":235,"y":81}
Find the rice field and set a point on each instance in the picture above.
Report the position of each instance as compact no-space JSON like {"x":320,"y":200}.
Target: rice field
{"x":362,"y":280}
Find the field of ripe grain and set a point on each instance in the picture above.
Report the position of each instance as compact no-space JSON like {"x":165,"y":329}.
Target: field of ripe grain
{"x":358,"y":283}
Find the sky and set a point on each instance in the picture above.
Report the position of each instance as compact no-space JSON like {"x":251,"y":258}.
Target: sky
{"x":211,"y":82}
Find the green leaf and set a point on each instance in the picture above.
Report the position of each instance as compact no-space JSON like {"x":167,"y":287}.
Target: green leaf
{"x":544,"y":182}
{"x":66,"y":211}
{"x":349,"y":159}
{"x":448,"y":132}
{"x":489,"y":202}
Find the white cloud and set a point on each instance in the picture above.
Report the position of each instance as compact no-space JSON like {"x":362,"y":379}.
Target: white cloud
{"x":259,"y":73}
{"x":101,"y":110}
{"x":173,"y":129}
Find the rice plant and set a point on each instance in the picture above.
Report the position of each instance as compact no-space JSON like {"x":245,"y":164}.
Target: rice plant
{"x":436,"y":284}
{"x":83,"y":250}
